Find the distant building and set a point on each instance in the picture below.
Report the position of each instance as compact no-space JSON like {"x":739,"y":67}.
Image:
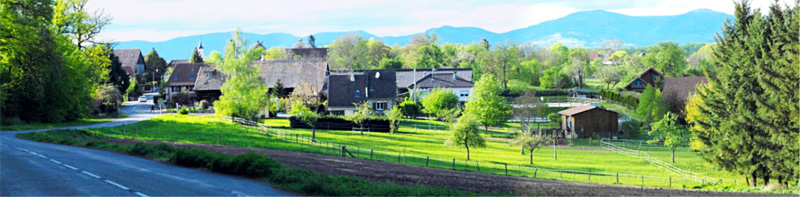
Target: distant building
{"x":132,"y":61}
{"x":649,"y":77}
{"x":377,"y":87}
{"x":208,"y":82}
{"x":292,"y":72}
{"x":587,"y":121}
{"x":457,"y":80}
{"x":677,"y":91}
{"x":183,"y":78}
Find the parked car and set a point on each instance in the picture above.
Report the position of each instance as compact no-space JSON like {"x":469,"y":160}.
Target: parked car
{"x":143,"y":99}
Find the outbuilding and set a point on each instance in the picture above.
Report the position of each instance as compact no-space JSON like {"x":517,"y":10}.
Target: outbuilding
{"x":587,"y":121}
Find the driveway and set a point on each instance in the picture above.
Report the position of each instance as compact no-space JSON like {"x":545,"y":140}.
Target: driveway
{"x":38,"y":169}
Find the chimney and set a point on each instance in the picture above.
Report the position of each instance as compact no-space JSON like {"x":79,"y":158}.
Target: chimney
{"x":454,"y":75}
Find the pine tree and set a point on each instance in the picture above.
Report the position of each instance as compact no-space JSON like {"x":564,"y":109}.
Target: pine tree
{"x":196,"y":57}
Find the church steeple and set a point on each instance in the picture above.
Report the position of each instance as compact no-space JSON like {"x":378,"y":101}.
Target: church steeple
{"x":200,"y":48}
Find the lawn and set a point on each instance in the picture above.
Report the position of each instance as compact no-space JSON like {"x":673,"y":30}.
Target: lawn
{"x":85,"y":121}
{"x":425,"y":146}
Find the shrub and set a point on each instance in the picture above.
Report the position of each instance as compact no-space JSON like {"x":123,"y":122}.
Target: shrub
{"x":204,"y":104}
{"x":410,"y":109}
{"x":160,"y":151}
{"x":554,"y":117}
{"x":632,"y":128}
{"x":192,"y":157}
{"x":183,"y":111}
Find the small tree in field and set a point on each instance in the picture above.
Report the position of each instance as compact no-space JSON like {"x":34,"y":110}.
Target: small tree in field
{"x":394,"y":119}
{"x":487,"y":104}
{"x":530,"y":141}
{"x":362,"y":113}
{"x":668,"y":131}
{"x":466,"y":133}
{"x":439,"y":102}
{"x":307,"y":116}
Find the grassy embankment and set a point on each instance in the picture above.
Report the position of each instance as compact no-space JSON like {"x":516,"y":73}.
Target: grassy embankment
{"x":81,"y":122}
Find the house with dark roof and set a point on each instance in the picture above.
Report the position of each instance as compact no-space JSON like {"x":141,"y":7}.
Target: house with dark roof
{"x":377,"y":87}
{"x":587,"y":121}
{"x":457,"y":80}
{"x":677,"y":90}
{"x":132,"y":61}
{"x":208,"y":82}
{"x":649,"y":77}
{"x":292,"y":73}
{"x":183,"y":78}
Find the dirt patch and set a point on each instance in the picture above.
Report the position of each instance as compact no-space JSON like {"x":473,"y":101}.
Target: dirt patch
{"x":467,"y":181}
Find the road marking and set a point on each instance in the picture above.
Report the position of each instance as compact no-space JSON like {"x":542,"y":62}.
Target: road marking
{"x":118,"y":185}
{"x":42,"y":156}
{"x":140,"y":194}
{"x":54,"y":161}
{"x":70,"y":167}
{"x":90,"y":174}
{"x":34,"y":153}
{"x":22,"y":149}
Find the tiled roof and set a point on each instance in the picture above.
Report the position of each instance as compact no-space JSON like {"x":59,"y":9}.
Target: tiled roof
{"x":129,"y":58}
{"x":680,"y":87}
{"x":407,"y":77}
{"x":209,"y":78}
{"x":580,"y":109}
{"x":292,"y":72}
{"x":642,"y":74}
{"x":443,"y":80}
{"x":369,"y":84}
{"x":311,"y":52}
{"x":184,"y":74}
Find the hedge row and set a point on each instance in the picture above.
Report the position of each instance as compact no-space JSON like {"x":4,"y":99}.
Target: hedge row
{"x":338,"y":123}
{"x":627,"y":100}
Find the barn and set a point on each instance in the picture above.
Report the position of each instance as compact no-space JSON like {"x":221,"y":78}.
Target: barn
{"x":587,"y":121}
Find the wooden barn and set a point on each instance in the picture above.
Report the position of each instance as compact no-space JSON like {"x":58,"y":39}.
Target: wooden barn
{"x":587,"y":121}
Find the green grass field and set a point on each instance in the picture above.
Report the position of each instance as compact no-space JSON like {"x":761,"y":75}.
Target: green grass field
{"x":22,"y":127}
{"x":426,"y":147}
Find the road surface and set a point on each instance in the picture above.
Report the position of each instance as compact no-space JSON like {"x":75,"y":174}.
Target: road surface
{"x":38,"y":169}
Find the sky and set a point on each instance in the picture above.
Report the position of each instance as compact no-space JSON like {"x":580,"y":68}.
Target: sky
{"x":159,"y":20}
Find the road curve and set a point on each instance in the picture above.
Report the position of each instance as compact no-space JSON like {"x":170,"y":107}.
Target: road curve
{"x":39,"y":169}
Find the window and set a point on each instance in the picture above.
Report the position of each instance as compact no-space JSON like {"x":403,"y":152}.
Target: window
{"x":191,"y":77}
{"x":337,"y":113}
{"x":379,"y":106}
{"x":371,"y":89}
{"x":208,"y":75}
{"x":358,"y":94}
{"x":176,"y":89}
{"x":638,"y":84}
{"x":463,"y":93}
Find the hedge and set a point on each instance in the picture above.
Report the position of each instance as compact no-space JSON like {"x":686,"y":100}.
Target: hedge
{"x":337,"y":123}
{"x":627,"y":100}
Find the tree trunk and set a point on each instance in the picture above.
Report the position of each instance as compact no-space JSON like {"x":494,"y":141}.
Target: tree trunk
{"x":531,"y":156}
{"x":314,"y":133}
{"x":673,"y":155}
{"x":766,"y":176}
{"x":555,"y":152}
{"x":467,"y":145}
{"x":747,"y":179}
{"x":755,"y":178}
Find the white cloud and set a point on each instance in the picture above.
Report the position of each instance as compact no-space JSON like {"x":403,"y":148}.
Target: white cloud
{"x":156,"y":20}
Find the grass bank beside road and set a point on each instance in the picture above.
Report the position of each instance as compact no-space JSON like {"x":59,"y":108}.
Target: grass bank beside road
{"x":33,"y":126}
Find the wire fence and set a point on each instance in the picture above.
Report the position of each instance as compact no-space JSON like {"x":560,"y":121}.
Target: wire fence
{"x":682,"y":179}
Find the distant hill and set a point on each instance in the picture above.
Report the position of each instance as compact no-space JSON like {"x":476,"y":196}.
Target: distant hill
{"x":585,"y":29}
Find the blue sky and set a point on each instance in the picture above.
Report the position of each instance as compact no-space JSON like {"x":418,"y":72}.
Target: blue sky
{"x":158,"y":20}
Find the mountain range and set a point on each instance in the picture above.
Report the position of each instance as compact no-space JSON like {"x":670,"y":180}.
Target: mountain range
{"x":583,"y":29}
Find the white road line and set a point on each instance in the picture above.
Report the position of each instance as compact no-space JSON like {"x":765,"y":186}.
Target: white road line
{"x":70,"y":167}
{"x":140,"y":194}
{"x":34,"y":153}
{"x":118,"y":185}
{"x":54,"y":161}
{"x":90,"y":174}
{"x":22,"y":149}
{"x":42,"y":156}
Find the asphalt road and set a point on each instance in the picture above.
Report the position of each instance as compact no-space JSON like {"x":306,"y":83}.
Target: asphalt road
{"x":38,"y":169}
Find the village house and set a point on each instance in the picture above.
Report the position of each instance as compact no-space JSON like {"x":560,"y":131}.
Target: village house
{"x":208,"y":83}
{"x":183,"y":78}
{"x":649,"y":77}
{"x":588,"y":121}
{"x":377,"y":87}
{"x":132,"y":61}
{"x":291,"y":73}
{"x":457,"y":80}
{"x":677,"y":90}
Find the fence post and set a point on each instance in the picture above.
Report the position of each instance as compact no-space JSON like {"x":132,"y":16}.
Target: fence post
{"x":642,"y":181}
{"x":478,"y":165}
{"x":639,"y":150}
{"x":562,"y":175}
{"x":343,"y":149}
{"x":370,"y":154}
{"x":535,"y":171}
{"x":398,"y":157}
{"x":454,"y":164}
{"x":506,"y":166}
{"x":590,"y":175}
{"x":670,"y":181}
{"x":617,"y":177}
{"x":427,"y":159}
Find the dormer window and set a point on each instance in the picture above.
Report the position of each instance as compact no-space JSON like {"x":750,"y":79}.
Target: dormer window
{"x":371,"y":89}
{"x":208,"y":75}
{"x":358,"y":94}
{"x":638,"y":84}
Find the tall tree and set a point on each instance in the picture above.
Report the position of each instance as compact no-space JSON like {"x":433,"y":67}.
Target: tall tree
{"x":71,"y":18}
{"x":528,"y":109}
{"x":117,"y":76}
{"x":349,"y":52}
{"x":667,"y":57}
{"x":429,"y":56}
{"x":467,"y":134}
{"x":651,"y":107}
{"x":156,"y":66}
{"x":486,"y":104}
{"x":196,"y":57}
{"x":243,"y":93}
{"x":501,"y":62}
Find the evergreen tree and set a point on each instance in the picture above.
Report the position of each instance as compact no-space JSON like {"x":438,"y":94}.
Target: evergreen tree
{"x":196,"y":57}
{"x":117,"y":76}
{"x":156,"y":66}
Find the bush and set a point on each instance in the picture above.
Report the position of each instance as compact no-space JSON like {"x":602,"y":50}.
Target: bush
{"x":204,"y":104}
{"x":183,"y":111}
{"x":409,"y":109}
{"x":192,"y":157}
{"x":160,"y":151}
{"x":632,"y":128}
{"x":554,"y":117}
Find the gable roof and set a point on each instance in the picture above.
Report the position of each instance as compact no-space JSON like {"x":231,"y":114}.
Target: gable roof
{"x":204,"y":82}
{"x":184,"y":74}
{"x":369,"y":84}
{"x":651,"y":69}
{"x":129,"y":58}
{"x":580,"y":109}
{"x":445,"y":80}
{"x":292,"y":72}
{"x":681,"y":87}
{"x":311,"y":52}
{"x":407,"y":77}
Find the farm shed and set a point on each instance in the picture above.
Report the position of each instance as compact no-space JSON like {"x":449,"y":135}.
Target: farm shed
{"x":586,"y":121}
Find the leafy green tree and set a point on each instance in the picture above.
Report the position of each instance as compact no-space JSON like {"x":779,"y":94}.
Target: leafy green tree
{"x":73,"y":20}
{"x":156,"y":66}
{"x":196,"y":57}
{"x":277,"y":53}
{"x":361,"y":115}
{"x":501,"y":62}
{"x":391,"y":63}
{"x":349,"y":52}
{"x":395,"y":115}
{"x":554,"y":77}
{"x":429,"y":56}
{"x":486,"y":103}
{"x":376,"y":52}
{"x":243,"y":93}
{"x":467,"y":134}
{"x":409,"y":109}
{"x":610,"y":75}
{"x":669,"y":132}
{"x":666,"y":57}
{"x":529,"y":71}
{"x":528,"y":109}
{"x":554,"y":117}
{"x":651,"y":107}
{"x":307,"y":116}
{"x":530,"y":141}
{"x":439,"y":102}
